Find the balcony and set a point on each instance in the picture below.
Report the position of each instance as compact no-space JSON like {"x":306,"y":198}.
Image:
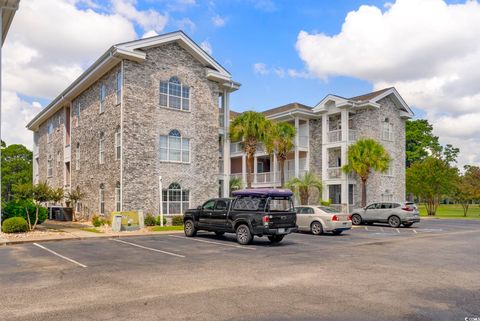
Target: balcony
{"x":334,"y":136}
{"x":352,"y":135}
{"x":334,"y":172}
{"x":303,"y":141}
{"x":236,"y":148}
{"x":266,"y":178}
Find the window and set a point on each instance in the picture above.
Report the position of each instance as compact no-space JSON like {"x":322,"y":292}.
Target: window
{"x":221,"y":205}
{"x":209,"y":205}
{"x":101,"y":153}
{"x":279,"y":204}
{"x":389,"y":171}
{"x":387,"y":196}
{"x":175,"y":199}
{"x":118,"y":86}
{"x":78,"y":207}
{"x":77,"y":113}
{"x":59,"y":159}
{"x":49,"y":131}
{"x":103,"y":94}
{"x":118,"y":144}
{"x":174,"y":95}
{"x":174,"y":148}
{"x":387,"y":133}
{"x":49,"y":166}
{"x":101,"y":199}
{"x":250,"y":204}
{"x":118,"y":207}
{"x":77,"y":157}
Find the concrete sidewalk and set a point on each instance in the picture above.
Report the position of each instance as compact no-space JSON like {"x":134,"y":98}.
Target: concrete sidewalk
{"x":72,"y":231}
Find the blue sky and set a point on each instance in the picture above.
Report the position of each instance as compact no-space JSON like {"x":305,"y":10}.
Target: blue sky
{"x":280,"y":51}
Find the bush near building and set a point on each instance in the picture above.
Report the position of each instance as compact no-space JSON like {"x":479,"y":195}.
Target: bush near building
{"x":15,"y":225}
{"x":177,"y":220}
{"x":157,"y":220}
{"x":18,"y":208}
{"x":149,"y":220}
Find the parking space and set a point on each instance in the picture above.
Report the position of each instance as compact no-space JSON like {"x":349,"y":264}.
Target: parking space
{"x":171,"y":267}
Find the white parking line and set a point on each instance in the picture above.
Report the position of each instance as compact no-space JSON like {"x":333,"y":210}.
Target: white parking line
{"x":398,"y":231}
{"x":212,"y":242}
{"x":381,"y":228}
{"x":366,"y":228}
{"x":59,"y":255}
{"x":414,"y":231}
{"x":148,"y":248}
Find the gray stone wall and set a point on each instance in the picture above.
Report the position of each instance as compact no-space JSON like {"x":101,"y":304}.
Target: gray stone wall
{"x":91,"y":173}
{"x":144,"y":121}
{"x":315,"y":151}
{"x":370,"y":124}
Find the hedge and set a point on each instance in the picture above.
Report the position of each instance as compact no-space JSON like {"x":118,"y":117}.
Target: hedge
{"x":177,"y":220}
{"x":16,"y":208}
{"x":14,"y":225}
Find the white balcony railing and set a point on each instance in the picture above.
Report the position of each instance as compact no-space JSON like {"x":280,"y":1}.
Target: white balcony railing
{"x":352,"y":135}
{"x":334,"y":172}
{"x":334,"y":136}
{"x":236,"y":148}
{"x":266,"y":178}
{"x":303,"y":141}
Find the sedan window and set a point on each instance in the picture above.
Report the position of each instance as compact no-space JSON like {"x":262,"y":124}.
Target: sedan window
{"x":328,"y":209}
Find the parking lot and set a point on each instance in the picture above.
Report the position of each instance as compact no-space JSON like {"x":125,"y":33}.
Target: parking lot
{"x":426,"y":272}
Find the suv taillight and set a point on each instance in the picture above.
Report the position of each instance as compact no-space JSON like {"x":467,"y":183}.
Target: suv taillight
{"x":266,"y":219}
{"x":334,"y":218}
{"x":408,"y":209}
{"x":349,"y":217}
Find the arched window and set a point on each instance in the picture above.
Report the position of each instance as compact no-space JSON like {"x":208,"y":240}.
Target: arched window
{"x":173,"y":94}
{"x":174,"y":147}
{"x":175,"y":199}
{"x":118,"y":198}
{"x":101,"y":199}
{"x":118,"y":143}
{"x":101,"y":149}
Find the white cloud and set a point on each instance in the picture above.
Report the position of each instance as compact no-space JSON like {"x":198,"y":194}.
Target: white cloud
{"x":148,"y":19}
{"x":205,"y":45}
{"x":218,"y":21}
{"x":150,"y":33}
{"x":186,"y":23}
{"x":280,"y":72}
{"x":427,"y":49}
{"x":260,"y":68}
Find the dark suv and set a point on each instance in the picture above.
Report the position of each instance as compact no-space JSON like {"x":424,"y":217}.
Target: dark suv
{"x":253,"y":212}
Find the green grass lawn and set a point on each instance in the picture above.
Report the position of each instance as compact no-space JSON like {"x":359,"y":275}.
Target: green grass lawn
{"x":453,"y":211}
{"x":166,"y":228}
{"x":91,"y":229}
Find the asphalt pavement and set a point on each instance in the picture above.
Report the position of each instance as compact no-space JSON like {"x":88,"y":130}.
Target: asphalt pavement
{"x":427,"y":272}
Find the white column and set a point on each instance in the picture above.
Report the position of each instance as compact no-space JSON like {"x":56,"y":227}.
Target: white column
{"x":255,"y":169}
{"x":275,"y":169}
{"x":344,"y":120}
{"x":297,"y":141}
{"x":226,"y":143}
{"x":244,"y":168}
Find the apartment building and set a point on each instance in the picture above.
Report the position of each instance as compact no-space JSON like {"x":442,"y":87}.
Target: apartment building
{"x":139,"y":129}
{"x":324,"y":133}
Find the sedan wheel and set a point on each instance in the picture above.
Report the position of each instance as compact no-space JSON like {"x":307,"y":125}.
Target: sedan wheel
{"x":316,"y":228}
{"x":244,"y":236}
{"x":394,"y":221}
{"x":356,"y":219}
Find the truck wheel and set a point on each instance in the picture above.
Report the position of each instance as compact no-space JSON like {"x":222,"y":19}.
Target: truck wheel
{"x":189,"y":228}
{"x":244,"y":236}
{"x":275,"y":238}
{"x":316,"y":228}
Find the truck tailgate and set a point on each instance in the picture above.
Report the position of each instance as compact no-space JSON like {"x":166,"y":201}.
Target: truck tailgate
{"x":282,"y":219}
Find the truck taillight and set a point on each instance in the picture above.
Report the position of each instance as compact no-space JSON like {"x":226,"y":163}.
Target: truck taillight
{"x":266,"y":219}
{"x":334,"y":218}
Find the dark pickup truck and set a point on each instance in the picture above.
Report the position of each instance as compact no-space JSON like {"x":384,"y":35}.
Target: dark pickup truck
{"x":252,"y":212}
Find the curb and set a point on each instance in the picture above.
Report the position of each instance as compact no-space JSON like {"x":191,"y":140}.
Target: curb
{"x":77,"y":238}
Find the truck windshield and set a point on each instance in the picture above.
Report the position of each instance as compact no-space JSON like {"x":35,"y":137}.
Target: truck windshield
{"x":280,"y":204}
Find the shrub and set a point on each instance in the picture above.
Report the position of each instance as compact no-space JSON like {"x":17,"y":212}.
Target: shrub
{"x":149,"y":220}
{"x":157,"y":220}
{"x":16,"y":208}
{"x":97,"y":221}
{"x":14,"y":225}
{"x":177,"y":220}
{"x":326,"y":203}
{"x":106,"y":221}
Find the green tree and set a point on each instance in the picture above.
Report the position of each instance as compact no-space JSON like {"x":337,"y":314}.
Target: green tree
{"x":41,"y":194}
{"x":363,"y":157}
{"x":251,"y":128}
{"x":467,"y":187}
{"x":236,"y":183}
{"x":23,"y":193}
{"x":430,"y":179}
{"x":420,"y":141}
{"x":304,"y":185}
{"x":280,"y":142}
{"x":57,"y":195}
{"x":16,"y":168}
{"x":74,"y":196}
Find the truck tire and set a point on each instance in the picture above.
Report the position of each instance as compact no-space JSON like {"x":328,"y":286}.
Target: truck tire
{"x":244,"y":236}
{"x":275,"y":238}
{"x":189,"y":228}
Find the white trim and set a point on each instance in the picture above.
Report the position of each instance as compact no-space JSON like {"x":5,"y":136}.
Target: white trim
{"x":394,"y":92}
{"x":121,"y":134}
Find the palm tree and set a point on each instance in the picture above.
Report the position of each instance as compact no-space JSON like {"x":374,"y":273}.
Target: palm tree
{"x":363,"y":157}
{"x":303,"y":185}
{"x":235,"y":183}
{"x":251,"y":128}
{"x":280,"y":142}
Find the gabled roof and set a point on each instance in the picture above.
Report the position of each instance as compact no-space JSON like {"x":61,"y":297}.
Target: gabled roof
{"x":369,"y":96}
{"x":132,"y":50}
{"x":9,"y":7}
{"x":287,"y":108}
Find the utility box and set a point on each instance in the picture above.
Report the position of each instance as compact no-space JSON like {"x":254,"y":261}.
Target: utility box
{"x":59,"y":213}
{"x":117,"y":223}
{"x":130,"y":221}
